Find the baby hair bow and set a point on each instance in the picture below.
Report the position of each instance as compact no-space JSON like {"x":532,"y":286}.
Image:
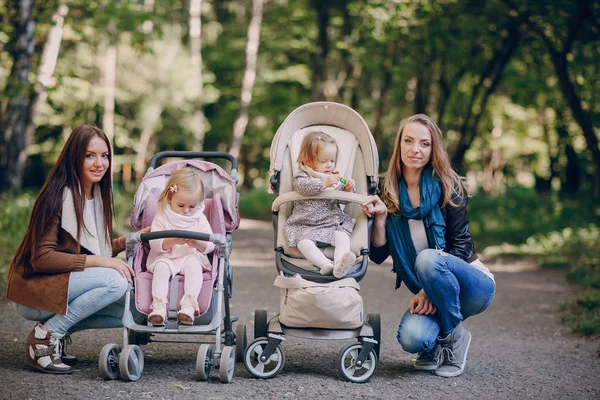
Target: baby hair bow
{"x":173,"y":188}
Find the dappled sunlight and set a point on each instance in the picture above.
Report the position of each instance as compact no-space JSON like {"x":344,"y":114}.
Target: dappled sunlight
{"x":521,"y":265}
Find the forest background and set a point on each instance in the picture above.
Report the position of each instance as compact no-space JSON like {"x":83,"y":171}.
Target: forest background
{"x":514,"y":85}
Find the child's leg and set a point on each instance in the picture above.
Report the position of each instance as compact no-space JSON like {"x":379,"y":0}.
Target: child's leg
{"x":160,"y":279}
{"x":191,"y":286}
{"x":311,"y":252}
{"x":342,"y":256}
{"x":193,"y":278}
{"x":160,"y":288}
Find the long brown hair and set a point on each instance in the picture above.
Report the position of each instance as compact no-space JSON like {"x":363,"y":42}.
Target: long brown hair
{"x":66,"y":173}
{"x":451,"y":183}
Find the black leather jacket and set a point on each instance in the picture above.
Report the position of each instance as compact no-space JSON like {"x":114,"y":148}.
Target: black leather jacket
{"x":458,"y":239}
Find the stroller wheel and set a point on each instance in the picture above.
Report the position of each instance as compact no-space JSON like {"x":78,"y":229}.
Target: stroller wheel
{"x":260,"y":324}
{"x":375,"y":321}
{"x":227,"y":364}
{"x":203,"y":362}
{"x":131,"y":362}
{"x":350,"y":370}
{"x":241,"y":342}
{"x":268,"y":368}
{"x":108,"y":361}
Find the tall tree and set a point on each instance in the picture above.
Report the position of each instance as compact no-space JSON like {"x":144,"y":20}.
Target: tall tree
{"x":13,"y":120}
{"x":46,"y":67}
{"x":198,"y":84}
{"x":239,"y":127}
{"x":559,"y":39}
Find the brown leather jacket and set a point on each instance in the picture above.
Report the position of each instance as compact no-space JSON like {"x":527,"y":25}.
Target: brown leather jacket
{"x":47,"y":289}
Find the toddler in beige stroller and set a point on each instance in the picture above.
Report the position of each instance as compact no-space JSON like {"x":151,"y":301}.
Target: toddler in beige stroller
{"x":316,"y":302}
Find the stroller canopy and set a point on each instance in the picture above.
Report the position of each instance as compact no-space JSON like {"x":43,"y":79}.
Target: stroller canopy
{"x":325,"y":113}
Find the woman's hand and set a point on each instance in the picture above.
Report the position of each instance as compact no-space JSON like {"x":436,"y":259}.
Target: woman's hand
{"x":145,"y":230}
{"x":117,"y":264}
{"x":374,"y":206}
{"x":420,"y":304}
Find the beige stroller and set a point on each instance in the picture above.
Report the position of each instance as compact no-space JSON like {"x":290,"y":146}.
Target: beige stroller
{"x":358,"y":159}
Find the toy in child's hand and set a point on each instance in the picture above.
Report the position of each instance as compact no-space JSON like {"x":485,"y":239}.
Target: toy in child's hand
{"x":341,"y":184}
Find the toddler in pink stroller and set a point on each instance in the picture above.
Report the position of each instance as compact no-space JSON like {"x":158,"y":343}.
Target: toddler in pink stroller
{"x":210,"y":314}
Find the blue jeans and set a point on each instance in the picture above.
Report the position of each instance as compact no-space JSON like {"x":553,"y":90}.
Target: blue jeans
{"x":96,"y":300}
{"x":458,"y":291}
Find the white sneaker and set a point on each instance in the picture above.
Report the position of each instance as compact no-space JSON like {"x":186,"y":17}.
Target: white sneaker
{"x":344,"y":264}
{"x":327,"y":269}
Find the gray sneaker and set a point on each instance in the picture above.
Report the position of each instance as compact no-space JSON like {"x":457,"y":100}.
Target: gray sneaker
{"x":429,"y":360}
{"x":454,"y":352}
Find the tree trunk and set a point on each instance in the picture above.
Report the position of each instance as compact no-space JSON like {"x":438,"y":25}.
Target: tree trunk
{"x":323,"y":8}
{"x":110,"y":75}
{"x":151,"y":117}
{"x":581,"y":116}
{"x":570,"y":178}
{"x":197,"y":82}
{"x":13,"y":140}
{"x":385,"y":92}
{"x":46,"y":68}
{"x":490,"y":77}
{"x":239,"y":127}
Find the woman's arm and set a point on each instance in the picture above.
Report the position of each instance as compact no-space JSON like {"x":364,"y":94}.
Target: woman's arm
{"x":459,"y":242}
{"x":47,"y":259}
{"x":379,"y":247}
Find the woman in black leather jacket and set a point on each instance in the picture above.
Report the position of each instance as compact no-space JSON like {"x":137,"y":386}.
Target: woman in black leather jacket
{"x":421,"y":221}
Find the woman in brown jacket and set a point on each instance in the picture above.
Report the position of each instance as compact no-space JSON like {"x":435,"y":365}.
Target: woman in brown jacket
{"x":64,"y":272}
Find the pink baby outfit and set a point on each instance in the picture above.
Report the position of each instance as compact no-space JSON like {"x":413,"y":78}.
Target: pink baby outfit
{"x":179,"y":255}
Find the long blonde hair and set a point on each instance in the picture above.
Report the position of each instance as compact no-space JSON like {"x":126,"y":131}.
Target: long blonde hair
{"x":452,"y":185}
{"x":309,"y":149}
{"x":185,"y":179}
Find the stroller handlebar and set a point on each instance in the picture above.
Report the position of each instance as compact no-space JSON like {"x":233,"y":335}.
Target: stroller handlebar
{"x":194,"y":154}
{"x":133,"y":239}
{"x":216,"y":238}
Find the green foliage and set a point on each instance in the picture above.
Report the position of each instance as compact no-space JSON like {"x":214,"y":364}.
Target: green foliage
{"x":522,"y":217}
{"x":14,"y":219}
{"x":256,"y":204}
{"x":573,"y":246}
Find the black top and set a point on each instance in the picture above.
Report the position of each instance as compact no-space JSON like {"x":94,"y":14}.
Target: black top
{"x":458,"y":239}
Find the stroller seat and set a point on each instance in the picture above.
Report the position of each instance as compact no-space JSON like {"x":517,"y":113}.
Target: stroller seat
{"x":357,"y":159}
{"x":143,"y":278}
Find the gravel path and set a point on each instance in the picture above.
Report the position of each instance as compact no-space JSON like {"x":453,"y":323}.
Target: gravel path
{"x":519,"y":349}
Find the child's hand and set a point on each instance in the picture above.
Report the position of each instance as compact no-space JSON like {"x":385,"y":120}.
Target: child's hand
{"x":200,"y":245}
{"x":169,"y":243}
{"x":350,"y":185}
{"x":331,"y":180}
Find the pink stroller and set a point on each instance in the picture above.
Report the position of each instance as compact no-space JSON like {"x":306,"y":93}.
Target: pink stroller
{"x":214,"y":316}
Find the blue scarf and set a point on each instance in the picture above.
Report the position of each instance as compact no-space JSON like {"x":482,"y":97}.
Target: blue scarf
{"x":401,"y":246}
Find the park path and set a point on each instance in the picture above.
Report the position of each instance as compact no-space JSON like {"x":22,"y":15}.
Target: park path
{"x":519,"y":349}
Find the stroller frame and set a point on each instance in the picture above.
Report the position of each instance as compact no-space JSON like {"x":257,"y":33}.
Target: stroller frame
{"x":264,"y":357}
{"x":129,"y":363}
